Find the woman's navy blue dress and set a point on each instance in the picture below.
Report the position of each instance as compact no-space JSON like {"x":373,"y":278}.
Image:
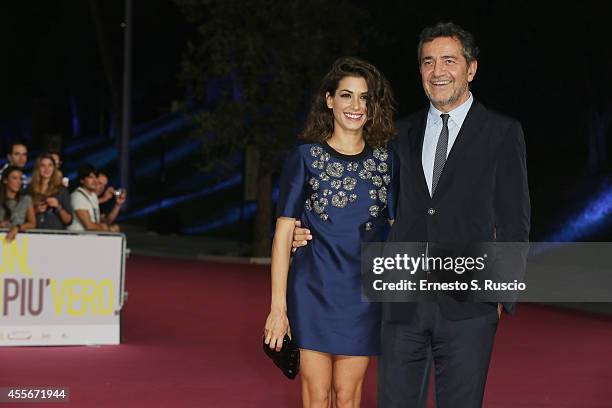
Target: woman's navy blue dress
{"x":344,"y":200}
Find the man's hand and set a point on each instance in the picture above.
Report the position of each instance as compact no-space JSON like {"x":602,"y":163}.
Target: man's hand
{"x":301,"y":236}
{"x":121,"y":198}
{"x":108,"y":194}
{"x":500,"y":309}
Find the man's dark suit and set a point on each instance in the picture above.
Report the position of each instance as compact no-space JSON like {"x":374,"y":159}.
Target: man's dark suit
{"x":482,"y":196}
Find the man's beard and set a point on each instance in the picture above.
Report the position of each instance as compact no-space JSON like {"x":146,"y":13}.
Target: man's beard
{"x":450,"y":100}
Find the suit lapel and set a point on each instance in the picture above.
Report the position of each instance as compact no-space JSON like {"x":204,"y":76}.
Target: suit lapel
{"x":417,"y":161}
{"x":471,"y":126}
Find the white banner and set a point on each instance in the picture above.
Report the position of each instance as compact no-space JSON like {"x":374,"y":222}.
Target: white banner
{"x":61,"y":288}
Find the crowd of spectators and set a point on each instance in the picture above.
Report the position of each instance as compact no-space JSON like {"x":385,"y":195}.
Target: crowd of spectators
{"x":44,"y":201}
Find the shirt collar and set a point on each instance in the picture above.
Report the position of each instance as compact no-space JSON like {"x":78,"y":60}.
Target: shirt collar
{"x":86,"y":192}
{"x":457,"y":115}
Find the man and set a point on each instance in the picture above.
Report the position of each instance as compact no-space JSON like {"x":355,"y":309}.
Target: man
{"x":463,"y":178}
{"x":106,"y":193}
{"x":85,"y":205}
{"x":18,"y":156}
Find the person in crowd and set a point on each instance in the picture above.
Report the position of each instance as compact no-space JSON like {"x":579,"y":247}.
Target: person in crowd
{"x":84,"y":200}
{"x":57,"y":159}
{"x":109,"y":210}
{"x":51,"y":198}
{"x":339,"y":184}
{"x":16,"y":210}
{"x":105,"y":192}
{"x":18,"y":156}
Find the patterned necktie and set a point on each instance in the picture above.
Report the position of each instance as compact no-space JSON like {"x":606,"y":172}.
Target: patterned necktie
{"x":441,"y":149}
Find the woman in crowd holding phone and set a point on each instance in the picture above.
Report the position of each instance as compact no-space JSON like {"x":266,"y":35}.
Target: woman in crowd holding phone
{"x":16,"y":210}
{"x":338,"y":184}
{"x":51,"y":199}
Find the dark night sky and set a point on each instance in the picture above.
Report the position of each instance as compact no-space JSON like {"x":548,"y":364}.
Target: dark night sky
{"x":537,"y":62}
{"x":51,"y":54}
{"x":545,"y":64}
{"x":529,"y":60}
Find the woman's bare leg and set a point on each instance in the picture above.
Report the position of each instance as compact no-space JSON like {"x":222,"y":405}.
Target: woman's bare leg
{"x":316,"y":376}
{"x":348,"y":375}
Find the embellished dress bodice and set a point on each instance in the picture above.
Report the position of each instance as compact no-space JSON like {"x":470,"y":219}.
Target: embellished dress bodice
{"x":344,"y":200}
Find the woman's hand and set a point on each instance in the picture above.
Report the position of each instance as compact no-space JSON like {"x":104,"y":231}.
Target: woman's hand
{"x":277,"y":325}
{"x":10,"y":236}
{"x":52,"y":202}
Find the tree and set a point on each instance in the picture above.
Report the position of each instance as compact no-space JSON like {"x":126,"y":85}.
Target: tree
{"x":263,"y":56}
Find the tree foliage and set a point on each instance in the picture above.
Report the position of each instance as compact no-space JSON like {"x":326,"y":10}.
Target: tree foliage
{"x":261,"y":58}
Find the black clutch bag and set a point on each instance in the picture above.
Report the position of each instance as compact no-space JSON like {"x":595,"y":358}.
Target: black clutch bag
{"x":287,"y":359}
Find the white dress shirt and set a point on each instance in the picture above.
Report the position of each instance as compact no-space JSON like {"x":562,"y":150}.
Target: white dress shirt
{"x":432,"y":134}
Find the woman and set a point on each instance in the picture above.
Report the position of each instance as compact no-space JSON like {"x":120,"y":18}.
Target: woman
{"x":16,"y":211}
{"x":51,"y":198}
{"x":339,"y":185}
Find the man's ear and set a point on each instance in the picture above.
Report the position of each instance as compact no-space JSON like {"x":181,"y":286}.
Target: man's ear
{"x":472,"y":67}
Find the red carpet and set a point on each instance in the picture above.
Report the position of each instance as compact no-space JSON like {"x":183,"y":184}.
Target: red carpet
{"x":191,"y":339}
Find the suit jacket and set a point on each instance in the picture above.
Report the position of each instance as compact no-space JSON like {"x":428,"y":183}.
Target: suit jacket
{"x":482,"y":195}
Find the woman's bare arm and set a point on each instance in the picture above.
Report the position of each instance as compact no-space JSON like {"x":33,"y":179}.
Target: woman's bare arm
{"x":277,"y":323}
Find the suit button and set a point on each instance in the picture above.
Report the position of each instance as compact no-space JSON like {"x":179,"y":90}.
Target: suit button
{"x":431,"y":211}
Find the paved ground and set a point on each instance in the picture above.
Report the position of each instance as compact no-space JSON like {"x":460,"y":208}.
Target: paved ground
{"x":142,"y":242}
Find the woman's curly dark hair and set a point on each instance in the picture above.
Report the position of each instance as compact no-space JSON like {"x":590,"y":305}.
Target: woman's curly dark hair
{"x":379,"y":127}
{"x":10,"y":169}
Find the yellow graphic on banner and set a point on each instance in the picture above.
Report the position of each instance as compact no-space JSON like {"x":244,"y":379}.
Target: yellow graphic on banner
{"x":11,"y":253}
{"x":69,"y":296}
{"x":73,"y":297}
{"x":76,"y":296}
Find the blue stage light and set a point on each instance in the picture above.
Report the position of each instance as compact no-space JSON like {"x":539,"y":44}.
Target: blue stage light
{"x":596,"y":214}
{"x":171,"y":157}
{"x":231,"y":216}
{"x":170,"y":202}
{"x":109,"y":154}
{"x":76,"y":121}
{"x":88,"y":143}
